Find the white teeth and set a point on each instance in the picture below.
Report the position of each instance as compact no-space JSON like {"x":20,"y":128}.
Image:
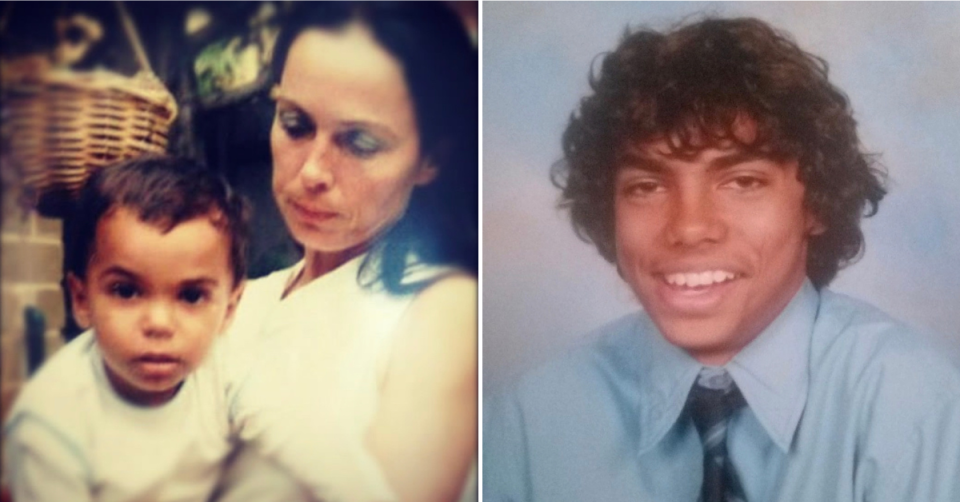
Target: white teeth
{"x":694,"y":279}
{"x":706,"y":278}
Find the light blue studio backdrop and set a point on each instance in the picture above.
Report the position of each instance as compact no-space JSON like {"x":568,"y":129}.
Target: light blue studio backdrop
{"x":899,"y":63}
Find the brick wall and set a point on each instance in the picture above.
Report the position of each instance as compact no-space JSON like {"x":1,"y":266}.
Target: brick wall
{"x":31,"y":251}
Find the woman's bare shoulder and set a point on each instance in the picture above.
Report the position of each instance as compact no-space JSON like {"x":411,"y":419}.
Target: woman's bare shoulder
{"x":439,"y":332}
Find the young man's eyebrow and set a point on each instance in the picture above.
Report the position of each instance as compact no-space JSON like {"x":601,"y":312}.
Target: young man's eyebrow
{"x":735,"y":158}
{"x":640,"y":162}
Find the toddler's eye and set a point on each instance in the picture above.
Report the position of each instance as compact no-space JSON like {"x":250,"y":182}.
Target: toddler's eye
{"x":124,"y":290}
{"x":193,"y":296}
{"x":295,"y":123}
{"x":359,"y":143}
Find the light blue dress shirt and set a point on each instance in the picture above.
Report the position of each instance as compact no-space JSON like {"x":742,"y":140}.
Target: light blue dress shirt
{"x":844,"y":404}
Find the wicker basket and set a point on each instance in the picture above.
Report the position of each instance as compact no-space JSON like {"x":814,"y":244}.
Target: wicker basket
{"x":60,"y":125}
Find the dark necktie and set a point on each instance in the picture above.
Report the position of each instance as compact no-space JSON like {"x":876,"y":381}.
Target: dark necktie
{"x":713,"y":398}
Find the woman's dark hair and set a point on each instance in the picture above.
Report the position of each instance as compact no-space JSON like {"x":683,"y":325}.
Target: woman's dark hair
{"x":439,"y":63}
{"x":692,"y":85}
{"x":163,"y":191}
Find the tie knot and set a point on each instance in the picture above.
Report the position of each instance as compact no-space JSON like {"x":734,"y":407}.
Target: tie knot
{"x":713,"y":398}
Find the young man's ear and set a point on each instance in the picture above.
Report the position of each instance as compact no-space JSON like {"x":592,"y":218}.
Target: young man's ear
{"x":814,"y":225}
{"x":79,"y":300}
{"x":232,"y":303}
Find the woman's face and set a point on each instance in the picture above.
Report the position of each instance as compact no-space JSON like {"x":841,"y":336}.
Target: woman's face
{"x":346,"y":150}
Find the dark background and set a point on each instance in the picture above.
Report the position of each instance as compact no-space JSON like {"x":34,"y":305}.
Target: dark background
{"x":229,"y":135}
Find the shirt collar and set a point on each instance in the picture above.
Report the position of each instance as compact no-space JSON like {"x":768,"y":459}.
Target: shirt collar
{"x":665,"y":374}
{"x":771,"y":372}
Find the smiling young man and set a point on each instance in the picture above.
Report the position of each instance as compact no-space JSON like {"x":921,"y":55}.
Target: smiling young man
{"x":721,"y":172}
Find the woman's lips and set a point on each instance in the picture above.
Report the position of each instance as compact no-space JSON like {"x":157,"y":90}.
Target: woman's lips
{"x":311,"y":215}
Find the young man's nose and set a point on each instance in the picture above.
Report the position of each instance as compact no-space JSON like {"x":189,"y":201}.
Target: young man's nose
{"x":694,"y":219}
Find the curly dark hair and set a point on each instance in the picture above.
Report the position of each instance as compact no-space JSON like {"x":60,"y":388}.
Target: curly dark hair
{"x":693,"y":85}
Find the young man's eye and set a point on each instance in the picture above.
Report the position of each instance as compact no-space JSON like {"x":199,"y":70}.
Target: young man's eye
{"x":359,"y":143}
{"x":747,"y":183}
{"x":124,"y":290}
{"x":643,"y":187}
{"x":295,"y":124}
{"x":193,"y":296}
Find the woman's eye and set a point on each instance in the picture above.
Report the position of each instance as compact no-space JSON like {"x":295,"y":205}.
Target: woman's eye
{"x":295,"y":124}
{"x":124,"y":290}
{"x":193,"y":296}
{"x":359,"y":143}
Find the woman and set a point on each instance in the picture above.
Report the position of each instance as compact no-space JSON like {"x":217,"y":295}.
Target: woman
{"x":374,"y":146}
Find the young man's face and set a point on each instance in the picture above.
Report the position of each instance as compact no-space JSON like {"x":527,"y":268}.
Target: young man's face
{"x":714,"y":246}
{"x":156,"y":300}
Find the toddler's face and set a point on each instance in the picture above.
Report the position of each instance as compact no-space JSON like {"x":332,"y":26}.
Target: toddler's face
{"x":155,"y":299}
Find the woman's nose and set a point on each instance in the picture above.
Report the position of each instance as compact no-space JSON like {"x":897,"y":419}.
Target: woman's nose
{"x":158,"y":320}
{"x":694,"y":219}
{"x":317,"y":173}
